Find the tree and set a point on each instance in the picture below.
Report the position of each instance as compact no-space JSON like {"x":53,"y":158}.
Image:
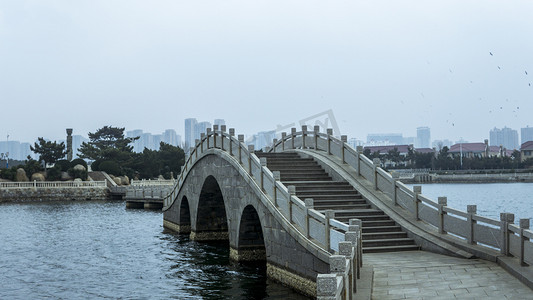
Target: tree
{"x":49,"y":152}
{"x":108,"y":143}
{"x":394,"y":156}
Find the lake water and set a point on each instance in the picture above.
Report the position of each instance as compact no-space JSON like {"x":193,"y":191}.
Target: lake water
{"x":491,"y":198}
{"x":100,"y":250}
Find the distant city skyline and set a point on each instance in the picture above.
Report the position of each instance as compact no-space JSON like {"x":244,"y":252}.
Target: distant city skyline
{"x":260,"y":139}
{"x":457,"y":67}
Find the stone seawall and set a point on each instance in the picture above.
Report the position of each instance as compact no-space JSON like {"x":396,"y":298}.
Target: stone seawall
{"x":52,"y":194}
{"x":471,"y":178}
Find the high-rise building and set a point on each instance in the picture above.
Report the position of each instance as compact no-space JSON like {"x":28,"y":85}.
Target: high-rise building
{"x":77,"y":140}
{"x":137,"y":144}
{"x":506,"y":137}
{"x":190,"y":132}
{"x":423,"y":137}
{"x":170,"y":137}
{"x":201,"y":127}
{"x":263,"y":139}
{"x":526,"y":134}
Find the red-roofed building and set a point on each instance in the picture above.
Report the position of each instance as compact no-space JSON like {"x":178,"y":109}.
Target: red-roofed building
{"x":526,"y":150}
{"x":470,"y":149}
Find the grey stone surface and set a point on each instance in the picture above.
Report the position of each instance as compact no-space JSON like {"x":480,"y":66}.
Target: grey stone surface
{"x":426,"y":275}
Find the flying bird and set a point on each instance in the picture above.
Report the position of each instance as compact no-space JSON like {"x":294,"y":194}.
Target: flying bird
{"x":499,"y":68}
{"x":491,"y":54}
{"x":526,"y":72}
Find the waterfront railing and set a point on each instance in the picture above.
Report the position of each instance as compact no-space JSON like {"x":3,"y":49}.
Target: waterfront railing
{"x":52,"y":184}
{"x":503,"y":235}
{"x":149,"y":182}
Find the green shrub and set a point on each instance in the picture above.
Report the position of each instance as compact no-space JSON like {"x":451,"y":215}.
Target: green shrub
{"x":32,"y":166}
{"x":78,"y":173}
{"x":78,"y":161}
{"x":53,"y":174}
{"x":8,"y":174}
{"x":63,"y":165}
{"x":95,"y":165}
{"x":110,"y":167}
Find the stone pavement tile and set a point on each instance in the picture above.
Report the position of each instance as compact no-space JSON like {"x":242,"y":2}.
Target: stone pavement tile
{"x":403,"y":291}
{"x":463,"y":285}
{"x":401,"y":282}
{"x":477,"y":290}
{"x":451,"y":292}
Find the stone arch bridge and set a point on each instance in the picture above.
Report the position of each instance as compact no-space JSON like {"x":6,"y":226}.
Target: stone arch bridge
{"x":311,"y":205}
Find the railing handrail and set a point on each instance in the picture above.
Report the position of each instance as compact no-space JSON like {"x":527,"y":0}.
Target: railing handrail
{"x":384,"y":182}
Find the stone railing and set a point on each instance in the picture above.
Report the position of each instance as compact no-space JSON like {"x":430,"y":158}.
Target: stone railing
{"x":471,"y":228}
{"x":150,"y":182}
{"x":52,"y":184}
{"x":321,"y":231}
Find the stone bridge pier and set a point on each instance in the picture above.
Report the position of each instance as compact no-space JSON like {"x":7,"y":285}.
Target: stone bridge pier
{"x":218,"y":201}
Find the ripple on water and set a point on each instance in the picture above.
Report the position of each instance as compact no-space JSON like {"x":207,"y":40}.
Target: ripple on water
{"x":100,"y":250}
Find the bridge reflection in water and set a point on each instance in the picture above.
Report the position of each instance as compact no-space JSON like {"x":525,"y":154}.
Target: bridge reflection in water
{"x":311,"y":205}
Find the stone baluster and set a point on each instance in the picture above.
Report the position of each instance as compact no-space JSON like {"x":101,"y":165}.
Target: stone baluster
{"x":376,"y":163}
{"x":277,"y":177}
{"x":344,"y":139}
{"x":263,"y":161}
{"x":202,"y":137}
{"x":293,"y":136}
{"x":304,"y":134}
{"x":222,"y":130}
{"x":292,"y":192}
{"x":359,"y":150}
{"x":505,"y":220}
{"x":524,"y":225}
{"x":329,"y":132}
{"x":329,"y":214}
{"x":197,"y":143}
{"x":250,"y":151}
{"x":283,"y":138}
{"x":417,"y":189}
{"x":443,"y":202}
{"x":309,"y":204}
{"x":232,"y":134}
{"x":356,"y":225}
{"x":326,"y":286}
{"x":353,"y":237}
{"x":316,"y":131}
{"x":274,"y":142}
{"x":471,"y":210}
{"x":337,"y":265}
{"x":394,"y":196}
{"x":241,"y":141}
{"x":348,"y":251}
{"x":207,"y":135}
{"x":215,"y":129}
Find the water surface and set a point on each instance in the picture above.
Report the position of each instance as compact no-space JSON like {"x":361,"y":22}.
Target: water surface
{"x":100,"y":250}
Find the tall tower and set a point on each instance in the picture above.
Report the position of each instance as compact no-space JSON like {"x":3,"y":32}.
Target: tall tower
{"x":69,"y":144}
{"x":423,"y":137}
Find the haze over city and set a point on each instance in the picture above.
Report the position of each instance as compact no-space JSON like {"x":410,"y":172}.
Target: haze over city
{"x":458,"y":67}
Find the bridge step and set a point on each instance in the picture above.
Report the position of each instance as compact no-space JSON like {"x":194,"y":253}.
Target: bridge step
{"x":384,"y":235}
{"x":370,"y":229}
{"x":391,"y":248}
{"x":325,"y":206}
{"x":352,"y":193}
{"x":387,"y":242}
{"x":380,"y":233}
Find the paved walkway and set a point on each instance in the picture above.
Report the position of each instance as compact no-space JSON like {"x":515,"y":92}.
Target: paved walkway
{"x":425,"y":275}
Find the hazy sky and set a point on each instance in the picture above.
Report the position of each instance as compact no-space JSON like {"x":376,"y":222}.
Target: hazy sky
{"x":381,"y":66}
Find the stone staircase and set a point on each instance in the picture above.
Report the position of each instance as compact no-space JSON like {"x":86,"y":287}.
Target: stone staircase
{"x":380,"y":232}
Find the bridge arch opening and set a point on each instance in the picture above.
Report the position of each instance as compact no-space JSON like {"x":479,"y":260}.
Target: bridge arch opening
{"x":251,"y":243}
{"x":185,"y":216}
{"x":211,"y":220}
